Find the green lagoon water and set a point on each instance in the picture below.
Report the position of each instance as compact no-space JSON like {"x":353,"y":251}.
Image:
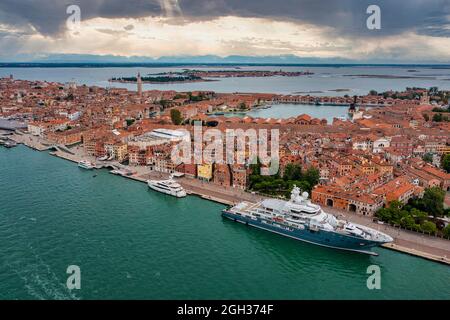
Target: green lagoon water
{"x":133,"y":243}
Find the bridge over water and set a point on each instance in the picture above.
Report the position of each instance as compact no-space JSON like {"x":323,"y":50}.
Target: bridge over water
{"x":58,"y":147}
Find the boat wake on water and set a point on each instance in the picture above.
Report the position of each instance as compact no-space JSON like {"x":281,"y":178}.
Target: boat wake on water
{"x":39,"y":280}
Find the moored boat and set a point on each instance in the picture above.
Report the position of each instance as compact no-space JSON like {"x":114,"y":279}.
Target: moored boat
{"x":302,"y":220}
{"x":103,"y":158}
{"x":169,"y":187}
{"x":10,"y":144}
{"x":84,"y":164}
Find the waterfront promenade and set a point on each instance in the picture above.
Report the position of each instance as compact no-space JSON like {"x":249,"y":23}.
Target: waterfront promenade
{"x":417,"y":244}
{"x":414,"y":243}
{"x":421,"y":245}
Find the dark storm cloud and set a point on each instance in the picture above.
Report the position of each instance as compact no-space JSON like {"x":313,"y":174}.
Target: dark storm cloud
{"x":429,"y":17}
{"x":347,"y":16}
{"x":49,"y":16}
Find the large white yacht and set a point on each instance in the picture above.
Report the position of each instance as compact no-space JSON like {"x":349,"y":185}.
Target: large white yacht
{"x":169,"y":187}
{"x":302,"y":220}
{"x":84,"y":164}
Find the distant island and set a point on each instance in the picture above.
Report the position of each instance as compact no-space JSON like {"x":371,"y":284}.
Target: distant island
{"x":242,"y":73}
{"x":160,"y":79}
{"x":188,"y":75}
{"x":384,"y":76}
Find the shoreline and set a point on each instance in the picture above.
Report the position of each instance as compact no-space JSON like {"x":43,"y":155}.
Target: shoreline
{"x":162,"y":82}
{"x":230,"y":196}
{"x":416,"y":253}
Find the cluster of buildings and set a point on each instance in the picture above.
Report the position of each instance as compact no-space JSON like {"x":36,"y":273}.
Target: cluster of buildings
{"x":364,"y":164}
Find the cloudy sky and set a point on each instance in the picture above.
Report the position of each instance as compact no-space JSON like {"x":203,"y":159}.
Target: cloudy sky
{"x":411,"y":30}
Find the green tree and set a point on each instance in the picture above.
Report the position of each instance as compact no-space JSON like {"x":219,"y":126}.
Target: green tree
{"x":418,"y":215}
{"x":292,"y":172}
{"x":129,"y":122}
{"x":396,"y":212}
{"x":395,"y":205}
{"x":256,"y":168}
{"x":242,"y":106}
{"x":428,"y":227}
{"x":312,"y":176}
{"x":433,"y":201}
{"x":408,"y":222}
{"x":415,"y":214}
{"x":446,"y":231}
{"x":447,"y":212}
{"x":175,"y":115}
{"x":179,"y":96}
{"x":384,"y":214}
{"x":302,"y":184}
{"x":437,"y":117}
{"x":281,"y":186}
{"x":164,"y":103}
{"x":438,"y":109}
{"x":428,"y":157}
{"x":445,"y":162}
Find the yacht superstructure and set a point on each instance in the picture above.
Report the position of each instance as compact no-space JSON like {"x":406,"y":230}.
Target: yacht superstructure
{"x":170,"y":187}
{"x":84,"y":164}
{"x":302,"y":220}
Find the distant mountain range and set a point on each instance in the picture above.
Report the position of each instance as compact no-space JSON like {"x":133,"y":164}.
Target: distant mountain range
{"x":186,"y":59}
{"x":88,"y":58}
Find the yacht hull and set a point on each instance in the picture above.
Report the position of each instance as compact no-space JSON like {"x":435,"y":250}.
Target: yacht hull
{"x":85,"y":167}
{"x":170,"y":193}
{"x":322,"y":238}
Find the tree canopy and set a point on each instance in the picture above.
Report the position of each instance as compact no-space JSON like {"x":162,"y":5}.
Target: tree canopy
{"x":432,"y":202}
{"x":445,"y":163}
{"x":176,"y":117}
{"x":276,"y":185}
{"x":415,"y":215}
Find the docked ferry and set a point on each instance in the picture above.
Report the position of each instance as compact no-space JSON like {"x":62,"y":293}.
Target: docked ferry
{"x":84,"y":164}
{"x":302,"y":220}
{"x":169,"y":187}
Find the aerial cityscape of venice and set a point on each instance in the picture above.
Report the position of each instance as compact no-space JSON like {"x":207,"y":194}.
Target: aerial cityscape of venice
{"x":224,"y":150}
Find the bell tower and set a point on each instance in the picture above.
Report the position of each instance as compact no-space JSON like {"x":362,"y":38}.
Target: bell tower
{"x":139,"y":84}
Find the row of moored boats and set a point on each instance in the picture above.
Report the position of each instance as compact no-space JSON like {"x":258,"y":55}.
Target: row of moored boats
{"x":296,"y":218}
{"x":170,"y":186}
{"x":7,"y":143}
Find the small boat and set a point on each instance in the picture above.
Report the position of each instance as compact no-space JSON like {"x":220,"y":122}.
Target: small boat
{"x":169,"y":187}
{"x":84,"y":164}
{"x":10,"y":144}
